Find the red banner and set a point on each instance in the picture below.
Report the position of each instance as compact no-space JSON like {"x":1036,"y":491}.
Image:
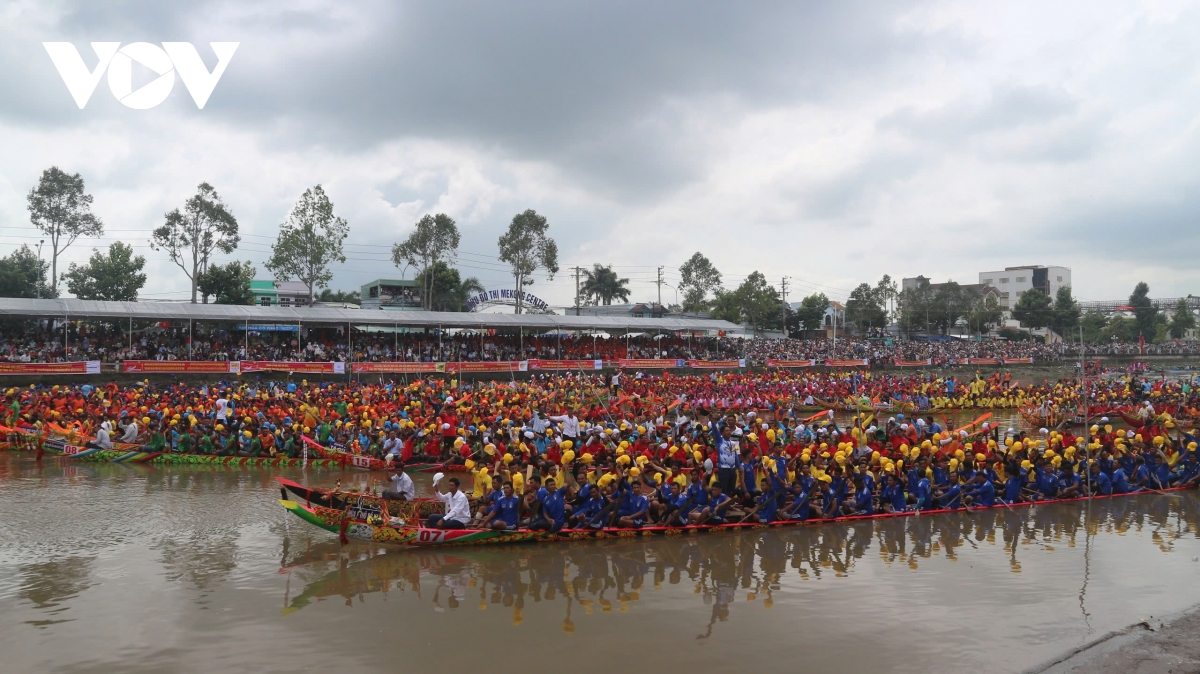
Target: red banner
{"x":982,"y":361}
{"x":1015,"y":361}
{"x":649,"y":363}
{"x":293,"y":366}
{"x":215,"y":366}
{"x":790,"y":363}
{"x":846,"y":363}
{"x":566,"y":364}
{"x":486,"y":366}
{"x":717,"y":364}
{"x":913,"y":363}
{"x":398,"y":367}
{"x":73,"y":367}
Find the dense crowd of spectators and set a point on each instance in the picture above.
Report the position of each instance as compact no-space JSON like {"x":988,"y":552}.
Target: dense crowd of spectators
{"x":24,"y":343}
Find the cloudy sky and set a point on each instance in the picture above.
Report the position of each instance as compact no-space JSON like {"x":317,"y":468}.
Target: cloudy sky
{"x":828,"y":142}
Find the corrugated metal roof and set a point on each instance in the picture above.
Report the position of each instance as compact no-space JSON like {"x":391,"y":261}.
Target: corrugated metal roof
{"x":175,"y":311}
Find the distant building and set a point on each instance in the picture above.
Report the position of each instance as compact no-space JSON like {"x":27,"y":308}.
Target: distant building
{"x":391,"y":295}
{"x":1013,"y":282}
{"x":279,"y":293}
{"x":912,"y":283}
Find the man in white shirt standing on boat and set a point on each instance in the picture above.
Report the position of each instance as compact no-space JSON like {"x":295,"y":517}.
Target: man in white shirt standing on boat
{"x":458,"y":509}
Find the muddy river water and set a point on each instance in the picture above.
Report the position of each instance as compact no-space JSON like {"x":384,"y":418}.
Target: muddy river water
{"x":112,"y":568}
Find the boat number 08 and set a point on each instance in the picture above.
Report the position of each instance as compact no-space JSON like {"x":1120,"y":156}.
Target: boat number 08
{"x":71,"y":450}
{"x":430,"y":535}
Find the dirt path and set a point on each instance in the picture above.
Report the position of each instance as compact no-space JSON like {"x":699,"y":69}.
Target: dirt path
{"x":1154,"y":646}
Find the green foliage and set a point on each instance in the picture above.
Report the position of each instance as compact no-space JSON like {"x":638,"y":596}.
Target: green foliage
{"x":1145,"y":313}
{"x":811,"y":312}
{"x":435,"y":237}
{"x":526,"y":248}
{"x":1095,"y":325}
{"x":61,"y":210}
{"x":1064,"y":317}
{"x":190,"y":237}
{"x":1182,"y":319}
{"x":1124,"y":329}
{"x":726,"y":306}
{"x":914,"y":306}
{"x":1033,"y":309}
{"x":340,"y":296}
{"x":449,"y":291}
{"x":865,"y":307}
{"x":756,"y":302}
{"x":698,"y":278}
{"x":22,"y":272}
{"x":601,"y":285}
{"x":984,"y":313}
{"x":309,"y":241}
{"x":115,"y":277}
{"x":228,"y":284}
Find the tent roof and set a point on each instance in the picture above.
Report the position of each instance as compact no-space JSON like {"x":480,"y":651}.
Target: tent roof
{"x":175,"y":311}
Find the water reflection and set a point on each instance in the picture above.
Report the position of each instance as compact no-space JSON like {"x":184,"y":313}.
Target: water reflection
{"x":49,"y":585}
{"x":749,"y":567}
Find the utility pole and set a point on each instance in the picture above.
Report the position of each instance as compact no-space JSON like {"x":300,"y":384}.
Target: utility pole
{"x":578,"y":271}
{"x":784,"y":307}
{"x":660,"y":284}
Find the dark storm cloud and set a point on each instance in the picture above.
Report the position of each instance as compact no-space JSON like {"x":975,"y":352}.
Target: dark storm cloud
{"x":598,"y":89}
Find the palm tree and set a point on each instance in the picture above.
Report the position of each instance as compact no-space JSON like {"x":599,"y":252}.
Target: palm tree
{"x":602,"y":286}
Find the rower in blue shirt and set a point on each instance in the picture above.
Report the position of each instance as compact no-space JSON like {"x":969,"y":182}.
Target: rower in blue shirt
{"x":1101,"y":483}
{"x":982,"y":493}
{"x":638,"y":507}
{"x":864,"y":500}
{"x":892,"y":497}
{"x":800,"y":508}
{"x":714,"y":512}
{"x":553,"y":509}
{"x":951,"y":496}
{"x":505,"y":512}
{"x":1120,"y":483}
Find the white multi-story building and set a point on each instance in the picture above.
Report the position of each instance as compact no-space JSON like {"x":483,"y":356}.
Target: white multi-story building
{"x":1014,"y":281}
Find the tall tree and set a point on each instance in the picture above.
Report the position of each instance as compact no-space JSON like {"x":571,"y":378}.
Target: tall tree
{"x":450,"y":291}
{"x":21,"y":274}
{"x":1094,"y":324}
{"x":191,"y":236}
{"x":914,"y":305}
{"x":434,"y":238}
{"x":62,"y":210}
{"x":526,"y":248}
{"x":759,"y":303}
{"x":1144,"y":311}
{"x":698,"y":278}
{"x":887,"y":291}
{"x":115,"y":276}
{"x":602,"y":285}
{"x":811,"y":312}
{"x":984,"y":313}
{"x":1033,"y":309}
{"x":228,"y":283}
{"x":726,"y":306}
{"x":1182,"y":319}
{"x":309,"y":241}
{"x":1066,"y":313}
{"x":865,"y":307}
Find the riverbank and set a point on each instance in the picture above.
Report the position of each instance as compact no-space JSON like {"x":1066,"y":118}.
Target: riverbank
{"x":1153,"y":646}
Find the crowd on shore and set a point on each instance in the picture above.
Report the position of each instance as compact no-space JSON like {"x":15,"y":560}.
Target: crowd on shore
{"x":610,"y":441}
{"x":106,"y":344}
